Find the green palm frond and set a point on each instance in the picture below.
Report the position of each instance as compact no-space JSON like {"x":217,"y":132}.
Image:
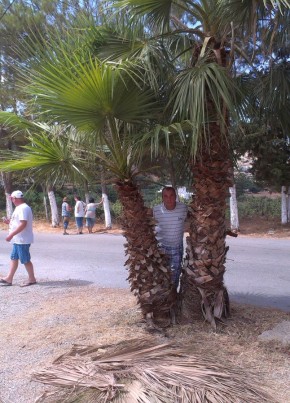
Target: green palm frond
{"x":16,"y":123}
{"x":201,"y":93}
{"x":46,"y":157}
{"x":273,"y":97}
{"x":246,"y":14}
{"x":157,"y":12}
{"x":86,"y":96}
{"x":167,"y":137}
{"x":151,"y":54}
{"x":278,"y":3}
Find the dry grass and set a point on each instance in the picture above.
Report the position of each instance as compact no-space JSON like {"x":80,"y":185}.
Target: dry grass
{"x":266,"y":228}
{"x":88,"y":316}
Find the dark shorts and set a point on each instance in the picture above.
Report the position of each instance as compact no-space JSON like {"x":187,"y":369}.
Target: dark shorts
{"x":90,"y":222}
{"x":21,"y":252}
{"x":79,"y":221}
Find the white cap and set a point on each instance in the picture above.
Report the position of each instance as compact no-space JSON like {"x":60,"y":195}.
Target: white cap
{"x":17,"y":194}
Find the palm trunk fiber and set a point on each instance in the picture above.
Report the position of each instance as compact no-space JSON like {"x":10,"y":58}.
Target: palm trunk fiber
{"x":204,"y":264}
{"x":149,"y":272}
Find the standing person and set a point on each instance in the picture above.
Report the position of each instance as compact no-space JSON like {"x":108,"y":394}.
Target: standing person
{"x":90,"y":213}
{"x":79,"y":214}
{"x":65,"y":213}
{"x":21,"y":235}
{"x":170,"y":217}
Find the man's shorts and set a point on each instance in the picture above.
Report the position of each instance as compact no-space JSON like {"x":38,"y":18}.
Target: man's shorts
{"x":90,"y":222}
{"x":21,"y":252}
{"x":79,"y":221}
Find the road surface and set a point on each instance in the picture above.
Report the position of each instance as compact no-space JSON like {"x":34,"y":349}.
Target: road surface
{"x":258,"y":269}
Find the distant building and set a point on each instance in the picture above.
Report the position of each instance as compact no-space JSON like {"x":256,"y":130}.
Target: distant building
{"x":182,"y":192}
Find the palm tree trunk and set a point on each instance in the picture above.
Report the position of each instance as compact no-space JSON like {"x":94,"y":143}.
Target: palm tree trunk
{"x":149,"y":273}
{"x":206,"y":250}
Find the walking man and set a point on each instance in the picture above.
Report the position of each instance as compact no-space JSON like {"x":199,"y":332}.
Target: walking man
{"x":21,"y":236}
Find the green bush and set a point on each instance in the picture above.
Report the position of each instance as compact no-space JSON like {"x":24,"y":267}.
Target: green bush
{"x":116,"y":209}
{"x":245,"y":183}
{"x":250,"y":206}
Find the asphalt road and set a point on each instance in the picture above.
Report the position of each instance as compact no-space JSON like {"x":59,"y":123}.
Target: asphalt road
{"x":258,"y":270}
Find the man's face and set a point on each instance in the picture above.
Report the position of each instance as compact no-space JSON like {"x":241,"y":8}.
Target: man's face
{"x":169,"y":199}
{"x":16,"y":201}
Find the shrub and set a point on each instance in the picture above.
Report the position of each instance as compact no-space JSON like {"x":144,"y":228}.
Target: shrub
{"x":250,"y":206}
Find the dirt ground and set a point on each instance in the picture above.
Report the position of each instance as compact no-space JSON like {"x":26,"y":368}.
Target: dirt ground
{"x":39,"y":324}
{"x":256,"y":227}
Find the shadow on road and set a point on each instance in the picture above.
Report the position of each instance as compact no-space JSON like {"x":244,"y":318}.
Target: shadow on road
{"x":65,"y":283}
{"x":281,"y":302}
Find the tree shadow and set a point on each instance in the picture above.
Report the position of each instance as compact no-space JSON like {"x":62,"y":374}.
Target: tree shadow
{"x":281,"y":302}
{"x":64,"y":283}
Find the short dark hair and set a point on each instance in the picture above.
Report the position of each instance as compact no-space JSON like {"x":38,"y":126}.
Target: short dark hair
{"x":91,"y":200}
{"x":168,"y":189}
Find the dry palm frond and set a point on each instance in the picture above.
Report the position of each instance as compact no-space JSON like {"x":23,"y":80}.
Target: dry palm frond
{"x":145,"y":372}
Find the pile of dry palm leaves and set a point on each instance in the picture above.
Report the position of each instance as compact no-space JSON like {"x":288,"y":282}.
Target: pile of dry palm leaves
{"x":144,"y":371}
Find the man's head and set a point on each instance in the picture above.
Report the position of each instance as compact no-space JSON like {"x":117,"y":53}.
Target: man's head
{"x":17,"y":197}
{"x":169,"y":197}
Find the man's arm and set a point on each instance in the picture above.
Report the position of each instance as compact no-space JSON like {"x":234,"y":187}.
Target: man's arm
{"x":20,"y":228}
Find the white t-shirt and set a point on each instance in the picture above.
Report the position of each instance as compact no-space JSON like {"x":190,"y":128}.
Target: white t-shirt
{"x":170,"y":224}
{"x":79,"y":209}
{"x":22,"y":212}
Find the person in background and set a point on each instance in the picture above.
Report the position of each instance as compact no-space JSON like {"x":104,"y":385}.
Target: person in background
{"x":21,"y":236}
{"x":170,"y":217}
{"x":90,"y":214}
{"x":79,"y":213}
{"x":65,"y":213}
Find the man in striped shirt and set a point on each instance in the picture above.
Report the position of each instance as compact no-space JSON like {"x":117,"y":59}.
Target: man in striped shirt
{"x":170,"y":217}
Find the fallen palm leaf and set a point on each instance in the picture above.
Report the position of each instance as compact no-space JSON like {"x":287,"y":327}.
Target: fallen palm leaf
{"x":146,"y":372}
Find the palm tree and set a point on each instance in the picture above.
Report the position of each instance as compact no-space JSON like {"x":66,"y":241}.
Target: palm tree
{"x":207,"y":43}
{"x":47,"y":157}
{"x":106,"y":105}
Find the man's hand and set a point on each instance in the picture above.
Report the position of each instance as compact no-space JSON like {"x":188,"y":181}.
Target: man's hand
{"x":9,"y":237}
{"x":20,"y":228}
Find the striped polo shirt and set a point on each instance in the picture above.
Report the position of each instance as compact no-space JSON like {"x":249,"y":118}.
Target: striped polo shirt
{"x":170,"y":224}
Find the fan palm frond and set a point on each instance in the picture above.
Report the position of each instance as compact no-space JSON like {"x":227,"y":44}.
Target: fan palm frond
{"x":141,"y":370}
{"x":46,"y":157}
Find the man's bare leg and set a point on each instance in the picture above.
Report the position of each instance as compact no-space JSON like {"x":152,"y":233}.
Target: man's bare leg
{"x":12,"y":271}
{"x":30,"y":271}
